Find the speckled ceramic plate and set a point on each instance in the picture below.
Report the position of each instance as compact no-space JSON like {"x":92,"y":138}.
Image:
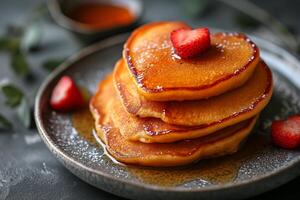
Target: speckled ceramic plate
{"x":258,"y":167}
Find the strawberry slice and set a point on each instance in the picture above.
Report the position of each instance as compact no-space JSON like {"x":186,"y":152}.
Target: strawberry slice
{"x":66,"y":96}
{"x":286,"y":133}
{"x":190,"y":43}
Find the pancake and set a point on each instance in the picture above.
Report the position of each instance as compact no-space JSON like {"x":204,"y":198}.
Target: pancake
{"x":146,"y":130}
{"x":225,"y":142}
{"x":211,"y":114}
{"x":161,"y":76}
{"x":222,"y":142}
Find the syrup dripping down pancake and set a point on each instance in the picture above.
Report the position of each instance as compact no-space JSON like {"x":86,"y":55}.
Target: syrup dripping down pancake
{"x":134,"y":128}
{"x":161,"y":76}
{"x":222,"y":142}
{"x":211,"y":114}
{"x":225,"y":142}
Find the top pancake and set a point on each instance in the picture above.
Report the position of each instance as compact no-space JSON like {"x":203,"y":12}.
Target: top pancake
{"x":162,"y":76}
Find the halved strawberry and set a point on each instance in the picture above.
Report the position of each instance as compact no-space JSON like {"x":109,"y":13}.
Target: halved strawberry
{"x":190,"y":43}
{"x":66,"y":96}
{"x":286,"y":133}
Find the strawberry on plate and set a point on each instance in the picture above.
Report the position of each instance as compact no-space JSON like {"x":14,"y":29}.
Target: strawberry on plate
{"x":190,"y":42}
{"x":66,"y":96}
{"x":286,"y":133}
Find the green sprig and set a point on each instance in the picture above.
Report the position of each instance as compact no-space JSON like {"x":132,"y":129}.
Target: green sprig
{"x":52,"y":63}
{"x":19,"y":63}
{"x":4,"y":123}
{"x":12,"y":94}
{"x":16,"y":99}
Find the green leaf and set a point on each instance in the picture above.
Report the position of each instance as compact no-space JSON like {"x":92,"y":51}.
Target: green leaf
{"x":52,"y":64}
{"x":13,"y":95}
{"x":4,"y":43}
{"x":4,"y":123}
{"x":19,"y":64}
{"x":9,"y":44}
{"x":245,"y":21}
{"x":16,"y":99}
{"x":24,"y":113}
{"x":31,"y":37}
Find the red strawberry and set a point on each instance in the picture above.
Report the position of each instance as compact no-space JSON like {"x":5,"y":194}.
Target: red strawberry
{"x":286,"y":133}
{"x":190,"y":43}
{"x":66,"y":96}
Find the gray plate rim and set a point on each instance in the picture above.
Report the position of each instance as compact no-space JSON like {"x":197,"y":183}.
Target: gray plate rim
{"x":120,"y":39}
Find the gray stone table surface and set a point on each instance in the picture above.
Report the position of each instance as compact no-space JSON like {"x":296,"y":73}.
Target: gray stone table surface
{"x":27,"y":168}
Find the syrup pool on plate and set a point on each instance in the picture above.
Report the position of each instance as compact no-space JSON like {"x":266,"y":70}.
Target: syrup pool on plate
{"x":212,"y":171}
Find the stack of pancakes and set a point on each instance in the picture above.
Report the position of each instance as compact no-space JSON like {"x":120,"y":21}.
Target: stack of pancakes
{"x":156,"y":109}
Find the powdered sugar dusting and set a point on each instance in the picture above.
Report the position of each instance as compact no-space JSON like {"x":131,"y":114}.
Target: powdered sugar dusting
{"x":285,"y":101}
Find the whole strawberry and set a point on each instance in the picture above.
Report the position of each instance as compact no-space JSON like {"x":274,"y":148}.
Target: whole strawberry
{"x":189,"y":43}
{"x":66,"y":96}
{"x":286,"y":133}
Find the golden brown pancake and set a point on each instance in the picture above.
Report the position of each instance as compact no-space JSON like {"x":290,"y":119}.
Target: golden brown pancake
{"x":147,"y":130}
{"x":161,"y":76}
{"x":208,"y":115}
{"x":222,"y":142}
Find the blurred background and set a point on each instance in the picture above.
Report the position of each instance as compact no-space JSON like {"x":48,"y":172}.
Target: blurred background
{"x":36,"y":36}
